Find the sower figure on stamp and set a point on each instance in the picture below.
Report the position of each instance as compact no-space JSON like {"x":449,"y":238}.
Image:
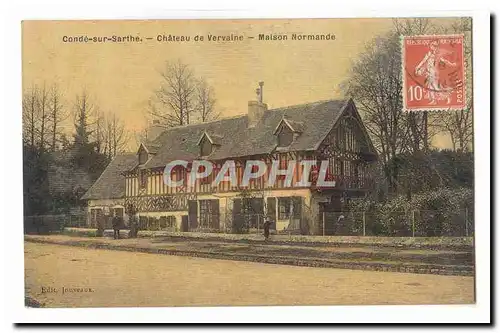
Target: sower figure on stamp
{"x":429,"y":67}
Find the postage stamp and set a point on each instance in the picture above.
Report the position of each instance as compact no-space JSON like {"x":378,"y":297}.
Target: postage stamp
{"x":433,"y":72}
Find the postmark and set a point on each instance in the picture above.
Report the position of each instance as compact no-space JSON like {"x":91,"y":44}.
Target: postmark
{"x":433,"y":73}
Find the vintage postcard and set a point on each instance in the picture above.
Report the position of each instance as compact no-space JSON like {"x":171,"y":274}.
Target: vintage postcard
{"x":238,"y":162}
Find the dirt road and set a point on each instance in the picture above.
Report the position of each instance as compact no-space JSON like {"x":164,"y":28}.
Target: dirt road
{"x":63,"y":276}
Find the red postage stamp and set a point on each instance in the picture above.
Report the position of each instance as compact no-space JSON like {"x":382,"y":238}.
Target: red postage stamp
{"x":433,"y":73}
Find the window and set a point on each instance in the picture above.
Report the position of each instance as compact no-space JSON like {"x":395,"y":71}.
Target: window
{"x":339,"y":167}
{"x":284,"y":208}
{"x":153,"y":223}
{"x":180,"y":174}
{"x":205,"y":213}
{"x":285,"y":137}
{"x":206,"y":180}
{"x":253,"y":206}
{"x":253,"y":211}
{"x":96,"y":215}
{"x":163,"y":222}
{"x":289,"y":207}
{"x":209,"y":214}
{"x":356,"y":180}
{"x":171,"y":221}
{"x":283,"y":164}
{"x":271,"y":208}
{"x":347,"y":168}
{"x":205,"y":147}
{"x":313,"y":173}
{"x":143,"y":222}
{"x":167,"y":222}
{"x":117,"y":212}
{"x":143,"y":178}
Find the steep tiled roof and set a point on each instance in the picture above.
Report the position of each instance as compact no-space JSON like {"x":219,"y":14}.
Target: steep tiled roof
{"x":215,"y":139}
{"x":111,"y":183}
{"x":236,"y":139}
{"x":151,"y":147}
{"x":296,"y":126}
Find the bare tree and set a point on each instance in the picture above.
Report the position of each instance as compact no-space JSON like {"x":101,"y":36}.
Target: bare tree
{"x":57,"y":115}
{"x":413,"y":26}
{"x":100,"y":132}
{"x":114,"y":136}
{"x":375,"y":82}
{"x":43,"y":104}
{"x":421,"y":125}
{"x":36,"y":116}
{"x":108,"y":132}
{"x":119,"y":135}
{"x":459,"y":124}
{"x":182,"y":99}
{"x":205,"y":101}
{"x":174,"y":101}
{"x":30,"y":115}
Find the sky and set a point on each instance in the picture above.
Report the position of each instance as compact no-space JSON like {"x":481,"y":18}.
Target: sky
{"x":122,"y":77}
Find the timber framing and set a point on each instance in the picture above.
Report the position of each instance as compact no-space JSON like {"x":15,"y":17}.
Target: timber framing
{"x":327,"y":130}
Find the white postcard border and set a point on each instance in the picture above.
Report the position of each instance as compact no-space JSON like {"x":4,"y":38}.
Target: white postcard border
{"x":13,"y":231}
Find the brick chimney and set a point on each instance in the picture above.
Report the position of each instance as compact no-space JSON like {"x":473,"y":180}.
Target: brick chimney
{"x":256,"y":108}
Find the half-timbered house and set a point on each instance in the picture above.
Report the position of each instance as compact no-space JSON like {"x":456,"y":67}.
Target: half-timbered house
{"x":327,"y":130}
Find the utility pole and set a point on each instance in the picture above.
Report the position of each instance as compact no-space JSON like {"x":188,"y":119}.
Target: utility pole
{"x":323,"y":223}
{"x":364,"y":223}
{"x":413,"y":223}
{"x":466,"y":222}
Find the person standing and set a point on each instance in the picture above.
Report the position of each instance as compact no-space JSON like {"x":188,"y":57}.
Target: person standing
{"x":116,"y":227}
{"x":267,"y":226}
{"x":340,"y":224}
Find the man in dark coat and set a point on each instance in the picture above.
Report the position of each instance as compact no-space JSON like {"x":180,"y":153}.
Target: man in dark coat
{"x":116,"y":227}
{"x":267,"y":226}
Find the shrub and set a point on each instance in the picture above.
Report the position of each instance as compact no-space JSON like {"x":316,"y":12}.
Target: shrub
{"x":439,"y":212}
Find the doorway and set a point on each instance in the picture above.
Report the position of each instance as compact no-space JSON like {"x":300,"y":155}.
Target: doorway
{"x":184,"y":223}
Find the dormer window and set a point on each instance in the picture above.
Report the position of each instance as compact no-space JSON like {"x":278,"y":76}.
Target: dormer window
{"x":146,"y":151}
{"x":285,"y":137}
{"x":208,"y":143}
{"x":287,"y":131}
{"x":205,"y":147}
